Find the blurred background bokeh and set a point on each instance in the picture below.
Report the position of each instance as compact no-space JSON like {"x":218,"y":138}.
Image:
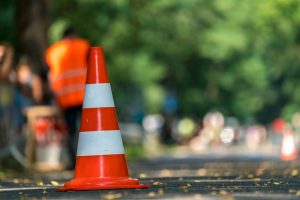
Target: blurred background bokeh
{"x":193,"y":76}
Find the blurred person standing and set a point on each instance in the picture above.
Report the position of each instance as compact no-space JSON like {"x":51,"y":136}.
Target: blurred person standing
{"x":29,"y":90}
{"x":67,"y":61}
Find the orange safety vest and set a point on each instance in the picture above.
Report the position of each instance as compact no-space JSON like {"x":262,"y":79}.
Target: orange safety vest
{"x":67,"y":60}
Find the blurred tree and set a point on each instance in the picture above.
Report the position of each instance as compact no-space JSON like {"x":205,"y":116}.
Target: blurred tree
{"x":239,"y":57}
{"x":214,"y":54}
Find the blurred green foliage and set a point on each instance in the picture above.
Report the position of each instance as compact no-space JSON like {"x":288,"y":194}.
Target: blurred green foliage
{"x":7,"y":10}
{"x":240,"y":57}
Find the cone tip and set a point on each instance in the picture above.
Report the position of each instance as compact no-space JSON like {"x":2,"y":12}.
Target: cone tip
{"x":96,"y":48}
{"x":96,"y":72}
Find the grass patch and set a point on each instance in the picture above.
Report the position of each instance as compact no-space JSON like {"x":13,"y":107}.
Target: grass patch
{"x":9,"y":166}
{"x":134,"y":151}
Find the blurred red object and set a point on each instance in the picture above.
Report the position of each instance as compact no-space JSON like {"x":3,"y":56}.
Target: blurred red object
{"x":278,"y":125}
{"x":49,"y":131}
{"x":288,"y":147}
{"x":42,"y":125}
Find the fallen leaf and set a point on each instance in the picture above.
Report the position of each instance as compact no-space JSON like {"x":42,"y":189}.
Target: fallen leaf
{"x":15,"y":180}
{"x":26,"y":180}
{"x":161,"y":192}
{"x":112,"y":196}
{"x":157,"y":183}
{"x":250,"y":176}
{"x":294,"y":172}
{"x":292,"y":191}
{"x":39,"y":183}
{"x":151,"y":194}
{"x":143,"y":175}
{"x":183,"y":187}
{"x":166,"y":173}
{"x":54,"y":183}
{"x":223,"y":192}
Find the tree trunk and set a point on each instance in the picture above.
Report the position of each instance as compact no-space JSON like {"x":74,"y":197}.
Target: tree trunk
{"x":32,"y":25}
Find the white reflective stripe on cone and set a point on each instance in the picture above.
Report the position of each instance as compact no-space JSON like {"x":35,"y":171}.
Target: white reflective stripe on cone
{"x":98,"y":95}
{"x":100,"y":143}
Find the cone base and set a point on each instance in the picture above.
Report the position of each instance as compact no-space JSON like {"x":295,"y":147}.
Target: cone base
{"x":102,"y":184}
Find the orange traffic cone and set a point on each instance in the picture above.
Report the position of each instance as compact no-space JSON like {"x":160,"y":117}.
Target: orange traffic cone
{"x":100,"y":162}
{"x":288,"y":148}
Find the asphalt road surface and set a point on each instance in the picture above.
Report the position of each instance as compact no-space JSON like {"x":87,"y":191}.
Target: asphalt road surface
{"x":176,"y":178}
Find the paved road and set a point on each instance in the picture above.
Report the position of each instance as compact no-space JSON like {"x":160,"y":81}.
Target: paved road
{"x":178,"y":178}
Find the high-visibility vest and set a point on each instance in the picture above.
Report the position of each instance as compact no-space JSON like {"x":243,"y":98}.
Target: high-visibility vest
{"x":67,"y":60}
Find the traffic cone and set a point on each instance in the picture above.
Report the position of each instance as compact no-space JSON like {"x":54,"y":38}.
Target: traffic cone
{"x":100,"y":162}
{"x":288,"y":148}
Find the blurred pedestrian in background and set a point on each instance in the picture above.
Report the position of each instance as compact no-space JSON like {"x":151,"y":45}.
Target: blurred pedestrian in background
{"x":67,"y":61}
{"x":29,"y":90}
